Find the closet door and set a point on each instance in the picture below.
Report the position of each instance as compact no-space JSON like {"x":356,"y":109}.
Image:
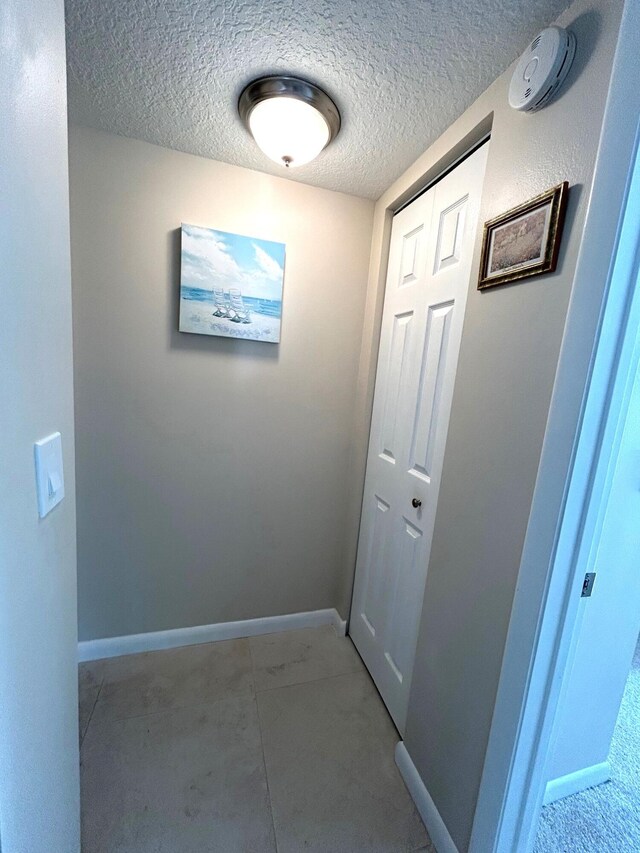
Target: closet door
{"x":431,"y":248}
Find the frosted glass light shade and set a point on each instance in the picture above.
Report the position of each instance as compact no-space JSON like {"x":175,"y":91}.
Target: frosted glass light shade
{"x":289,"y":131}
{"x":290,"y":119}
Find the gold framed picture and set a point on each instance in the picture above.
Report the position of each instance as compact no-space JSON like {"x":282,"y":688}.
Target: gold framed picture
{"x":525,"y":240}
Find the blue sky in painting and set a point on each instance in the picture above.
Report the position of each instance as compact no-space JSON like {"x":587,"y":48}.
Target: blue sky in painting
{"x":212,"y":258}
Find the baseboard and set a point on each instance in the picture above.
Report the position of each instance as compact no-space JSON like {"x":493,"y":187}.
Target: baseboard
{"x":573,"y":783}
{"x":430,"y":815}
{"x":339,"y":624}
{"x":110,"y":647}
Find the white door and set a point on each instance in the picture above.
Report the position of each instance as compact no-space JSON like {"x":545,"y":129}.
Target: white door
{"x":606,"y":632}
{"x":427,"y":281}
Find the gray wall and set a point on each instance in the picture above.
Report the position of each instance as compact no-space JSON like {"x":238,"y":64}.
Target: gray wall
{"x":39,"y":790}
{"x":509,"y":352}
{"x":212,"y":474}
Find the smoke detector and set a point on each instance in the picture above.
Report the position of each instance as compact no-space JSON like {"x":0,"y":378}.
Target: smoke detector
{"x":542,"y":69}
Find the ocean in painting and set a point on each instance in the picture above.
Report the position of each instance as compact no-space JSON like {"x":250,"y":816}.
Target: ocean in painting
{"x":230,"y":285}
{"x":264,"y":316}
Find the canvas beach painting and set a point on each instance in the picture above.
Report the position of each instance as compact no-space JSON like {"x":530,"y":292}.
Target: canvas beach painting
{"x":230,"y":285}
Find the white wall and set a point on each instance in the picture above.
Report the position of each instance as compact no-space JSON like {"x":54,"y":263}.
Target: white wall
{"x":39,"y":790}
{"x":607,"y":631}
{"x":212,"y":473}
{"x":510,"y":346}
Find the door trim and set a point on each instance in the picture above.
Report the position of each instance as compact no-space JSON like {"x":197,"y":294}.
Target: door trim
{"x":445,"y":171}
{"x":590,"y":393}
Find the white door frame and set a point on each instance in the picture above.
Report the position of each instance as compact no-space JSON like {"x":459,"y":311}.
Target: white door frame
{"x":599,"y":355}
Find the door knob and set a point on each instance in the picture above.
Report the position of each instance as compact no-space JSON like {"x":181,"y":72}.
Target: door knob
{"x":416,"y":502}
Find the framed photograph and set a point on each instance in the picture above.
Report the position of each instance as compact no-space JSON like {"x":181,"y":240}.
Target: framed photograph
{"x":230,"y":285}
{"x":525,"y":240}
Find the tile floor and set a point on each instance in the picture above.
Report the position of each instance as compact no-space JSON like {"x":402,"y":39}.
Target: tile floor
{"x":274,"y":744}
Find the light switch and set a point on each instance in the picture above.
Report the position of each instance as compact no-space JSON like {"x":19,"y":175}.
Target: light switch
{"x":49,"y":473}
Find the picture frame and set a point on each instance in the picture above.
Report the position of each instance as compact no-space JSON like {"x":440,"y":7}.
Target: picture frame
{"x":231,"y":285}
{"x":524,"y":241}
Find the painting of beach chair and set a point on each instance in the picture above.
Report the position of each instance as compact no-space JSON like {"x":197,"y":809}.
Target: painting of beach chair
{"x":230,"y":284}
{"x":238,"y":312}
{"x":220,"y":302}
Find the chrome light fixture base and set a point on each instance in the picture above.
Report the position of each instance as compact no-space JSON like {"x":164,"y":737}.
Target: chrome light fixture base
{"x":278,"y":86}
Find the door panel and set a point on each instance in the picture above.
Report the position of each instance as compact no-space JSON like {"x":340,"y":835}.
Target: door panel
{"x":412,"y":250}
{"x":430,"y":256}
{"x":372,"y":605}
{"x":430,"y":387}
{"x":401,"y":605}
{"x":450,"y":235}
{"x":396,"y":384}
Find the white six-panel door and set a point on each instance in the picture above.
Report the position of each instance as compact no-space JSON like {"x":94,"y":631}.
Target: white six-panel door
{"x":427,"y":282}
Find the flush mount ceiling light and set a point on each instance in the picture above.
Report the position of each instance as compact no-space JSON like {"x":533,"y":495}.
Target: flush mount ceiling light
{"x":290,"y":119}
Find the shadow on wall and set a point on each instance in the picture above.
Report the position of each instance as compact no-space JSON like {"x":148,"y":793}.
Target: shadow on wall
{"x":586,"y":28}
{"x":205,"y":343}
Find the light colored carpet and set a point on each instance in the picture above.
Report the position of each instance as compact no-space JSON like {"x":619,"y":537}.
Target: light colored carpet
{"x":604,"y":819}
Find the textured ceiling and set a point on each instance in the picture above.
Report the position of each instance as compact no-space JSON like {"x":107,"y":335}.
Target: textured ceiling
{"x":170,"y":72}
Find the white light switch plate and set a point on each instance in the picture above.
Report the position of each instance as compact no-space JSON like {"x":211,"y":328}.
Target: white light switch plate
{"x":49,"y":473}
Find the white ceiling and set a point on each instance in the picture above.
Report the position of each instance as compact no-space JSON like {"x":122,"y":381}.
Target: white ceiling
{"x":170,"y":72}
